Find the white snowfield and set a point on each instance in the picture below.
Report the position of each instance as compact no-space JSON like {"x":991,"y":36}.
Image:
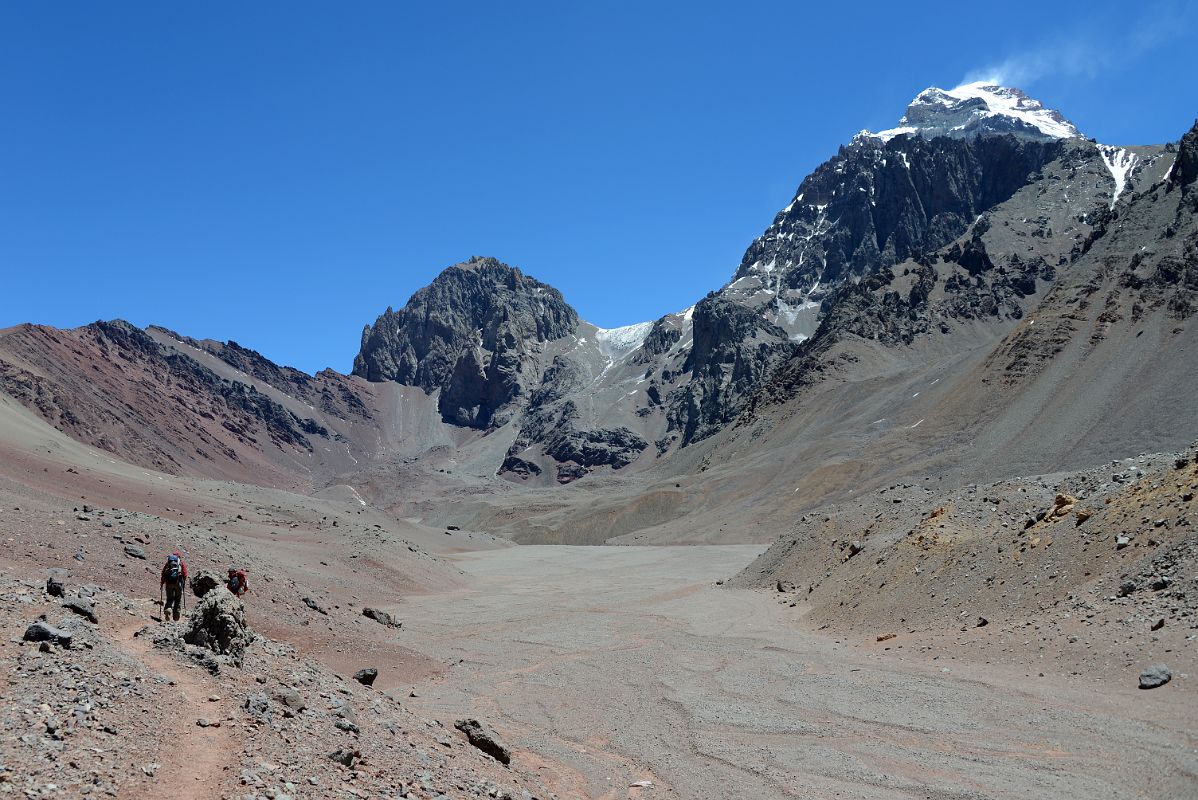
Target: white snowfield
{"x":1000,"y":101}
{"x":616,"y":342}
{"x":1120,"y":161}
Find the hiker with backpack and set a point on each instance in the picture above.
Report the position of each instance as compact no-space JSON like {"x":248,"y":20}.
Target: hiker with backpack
{"x":238,"y":583}
{"x":173,"y":580}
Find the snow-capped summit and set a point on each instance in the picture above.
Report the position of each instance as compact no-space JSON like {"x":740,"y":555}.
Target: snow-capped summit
{"x":974,"y":108}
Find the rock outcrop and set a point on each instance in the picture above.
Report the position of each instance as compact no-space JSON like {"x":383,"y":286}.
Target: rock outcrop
{"x":1185,"y":169}
{"x":218,"y":623}
{"x":483,"y":736}
{"x":735,"y":349}
{"x":555,"y":429}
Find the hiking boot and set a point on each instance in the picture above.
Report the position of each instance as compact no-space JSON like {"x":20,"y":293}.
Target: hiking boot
{"x":176,"y":615}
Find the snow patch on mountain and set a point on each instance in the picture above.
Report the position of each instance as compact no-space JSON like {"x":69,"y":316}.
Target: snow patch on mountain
{"x":618,"y":342}
{"x":1009,"y":102}
{"x":1120,"y":161}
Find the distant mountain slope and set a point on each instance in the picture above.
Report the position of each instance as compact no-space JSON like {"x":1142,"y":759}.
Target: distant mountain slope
{"x":967,"y":213}
{"x":144,"y":397}
{"x":981,"y":274}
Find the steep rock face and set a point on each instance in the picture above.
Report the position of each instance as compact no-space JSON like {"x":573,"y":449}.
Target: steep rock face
{"x":734,"y":350}
{"x":876,"y":204}
{"x":1185,"y":168}
{"x":479,"y":386}
{"x":466,"y":334}
{"x":663,"y":335}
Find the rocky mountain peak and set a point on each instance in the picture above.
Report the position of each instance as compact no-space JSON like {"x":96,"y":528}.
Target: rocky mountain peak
{"x":467,"y":334}
{"x":978,"y":108}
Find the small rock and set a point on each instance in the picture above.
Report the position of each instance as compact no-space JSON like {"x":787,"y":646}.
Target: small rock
{"x":82,"y":607}
{"x":312,"y":604}
{"x":290,"y":698}
{"x":1160,"y":623}
{"x":885,"y":637}
{"x":346,"y":757}
{"x":1122,"y":542}
{"x":785,"y":586}
{"x":134,"y":551}
{"x":982,"y":622}
{"x":204,"y":722}
{"x":1154,"y":676}
{"x":257,"y":704}
{"x":54,"y":587}
{"x":366,"y":676}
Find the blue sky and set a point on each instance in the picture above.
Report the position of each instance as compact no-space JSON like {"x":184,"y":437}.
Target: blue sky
{"x":279,"y":173}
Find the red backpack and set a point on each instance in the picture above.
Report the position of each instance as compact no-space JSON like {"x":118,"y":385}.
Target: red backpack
{"x":238,"y":583}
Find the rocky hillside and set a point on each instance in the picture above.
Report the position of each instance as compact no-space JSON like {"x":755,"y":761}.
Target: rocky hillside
{"x":185,"y":407}
{"x":1073,"y":559}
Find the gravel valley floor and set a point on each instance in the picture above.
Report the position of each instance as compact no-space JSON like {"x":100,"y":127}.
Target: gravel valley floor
{"x":616,"y":666}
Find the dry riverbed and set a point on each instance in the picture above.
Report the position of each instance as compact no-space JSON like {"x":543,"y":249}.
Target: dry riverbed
{"x":610,"y":667}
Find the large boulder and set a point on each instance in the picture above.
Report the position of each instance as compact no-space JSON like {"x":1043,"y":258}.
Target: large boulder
{"x":42,"y":631}
{"x":382,"y":617}
{"x":218,"y":623}
{"x":482,"y":736}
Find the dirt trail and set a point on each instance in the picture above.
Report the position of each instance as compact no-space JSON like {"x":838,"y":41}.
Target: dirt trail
{"x":196,"y":760}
